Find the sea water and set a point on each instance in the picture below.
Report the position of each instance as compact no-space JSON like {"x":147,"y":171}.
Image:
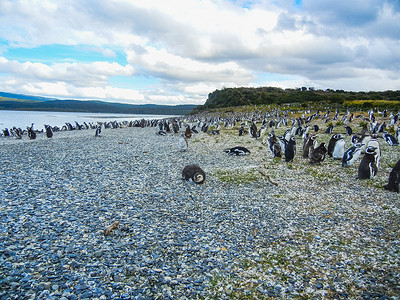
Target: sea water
{"x":23,"y":119}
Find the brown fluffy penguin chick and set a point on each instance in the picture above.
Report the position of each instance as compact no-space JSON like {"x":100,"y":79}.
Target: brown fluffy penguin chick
{"x":188,"y":132}
{"x":194,"y":173}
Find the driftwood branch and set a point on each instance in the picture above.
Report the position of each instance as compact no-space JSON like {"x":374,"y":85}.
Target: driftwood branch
{"x":267,"y":177}
{"x":110,"y":228}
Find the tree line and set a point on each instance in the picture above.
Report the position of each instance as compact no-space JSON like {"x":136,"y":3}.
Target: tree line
{"x":304,"y":96}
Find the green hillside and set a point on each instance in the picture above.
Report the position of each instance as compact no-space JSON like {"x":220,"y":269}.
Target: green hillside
{"x":305,"y":97}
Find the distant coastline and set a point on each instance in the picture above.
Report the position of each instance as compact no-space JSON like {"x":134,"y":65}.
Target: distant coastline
{"x":20,"y":102}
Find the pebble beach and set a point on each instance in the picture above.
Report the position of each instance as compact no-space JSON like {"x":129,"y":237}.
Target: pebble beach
{"x":258,"y":228}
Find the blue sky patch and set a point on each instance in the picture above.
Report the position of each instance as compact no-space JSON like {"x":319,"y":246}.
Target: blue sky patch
{"x":49,"y":54}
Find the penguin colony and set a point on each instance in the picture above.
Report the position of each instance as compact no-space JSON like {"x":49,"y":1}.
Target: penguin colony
{"x":364,"y":150}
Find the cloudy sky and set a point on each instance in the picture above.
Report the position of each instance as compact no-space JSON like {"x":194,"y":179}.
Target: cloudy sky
{"x":178,"y":51}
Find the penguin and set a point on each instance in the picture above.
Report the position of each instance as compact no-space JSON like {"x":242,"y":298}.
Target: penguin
{"x":238,"y":151}
{"x":290,"y":149}
{"x":242,"y":131}
{"x":31,"y":133}
{"x":318,"y":154}
{"x":329,"y":130}
{"x":253,"y":130}
{"x":6,"y":132}
{"x":394,"y":179}
{"x":182,"y":143}
{"x":351,"y":155}
{"x":193,"y":173}
{"x":373,"y":142}
{"x":339,"y":148}
{"x":349,"y":131}
{"x":390,"y":139}
{"x":49,"y":131}
{"x":316,"y":128}
{"x":188,"y":132}
{"x":310,"y":142}
{"x":161,"y":132}
{"x":98,"y":130}
{"x":368,"y":168}
{"x":355,"y":139}
{"x":274,"y":145}
{"x":332,"y":143}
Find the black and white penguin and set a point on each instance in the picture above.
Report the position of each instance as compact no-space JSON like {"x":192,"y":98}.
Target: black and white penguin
{"x":238,"y":151}
{"x":242,"y":131}
{"x":274,"y":145}
{"x":182,"y":142}
{"x":290,"y":149}
{"x":351,"y":155}
{"x":309,"y":143}
{"x":390,"y":139}
{"x":355,"y":139}
{"x":6,"y":132}
{"x":318,"y":154}
{"x":329,"y":130}
{"x":368,"y":168}
{"x":315,"y":128}
{"x":339,"y":149}
{"x":161,"y":132}
{"x":349,"y":131}
{"x":31,"y":133}
{"x":253,"y":130}
{"x":394,"y":179}
{"x":49,"y":131}
{"x":193,"y":173}
{"x":332,"y":142}
{"x":373,"y":142}
{"x":98,"y":130}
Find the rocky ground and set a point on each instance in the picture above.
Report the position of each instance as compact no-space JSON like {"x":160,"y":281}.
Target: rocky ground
{"x":258,"y":228}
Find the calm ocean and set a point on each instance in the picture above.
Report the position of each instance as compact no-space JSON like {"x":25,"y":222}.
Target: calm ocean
{"x":22,"y":119}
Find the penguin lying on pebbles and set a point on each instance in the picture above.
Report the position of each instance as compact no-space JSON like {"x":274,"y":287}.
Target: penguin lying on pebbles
{"x":238,"y":151}
{"x":394,"y":179}
{"x":193,"y":173}
{"x":368,"y":168}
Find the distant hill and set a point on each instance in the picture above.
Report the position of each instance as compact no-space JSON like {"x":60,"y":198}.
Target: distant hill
{"x":241,"y":96}
{"x":9,"y":101}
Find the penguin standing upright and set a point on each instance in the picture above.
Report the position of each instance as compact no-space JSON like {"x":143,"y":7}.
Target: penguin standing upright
{"x":332,"y":143}
{"x":49,"y":131}
{"x":253,"y":130}
{"x":349,"y":131}
{"x":188,"y":132}
{"x":390,"y":139}
{"x":31,"y":133}
{"x":193,"y":173}
{"x":290,"y":149}
{"x":274,"y":145}
{"x":373,"y":142}
{"x":182,"y":143}
{"x":308,"y":144}
{"x":351,"y":155}
{"x":339,"y":149}
{"x":368,"y":168}
{"x":394,"y":179}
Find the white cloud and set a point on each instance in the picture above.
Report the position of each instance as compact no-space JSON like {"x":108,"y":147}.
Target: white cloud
{"x":193,"y":47}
